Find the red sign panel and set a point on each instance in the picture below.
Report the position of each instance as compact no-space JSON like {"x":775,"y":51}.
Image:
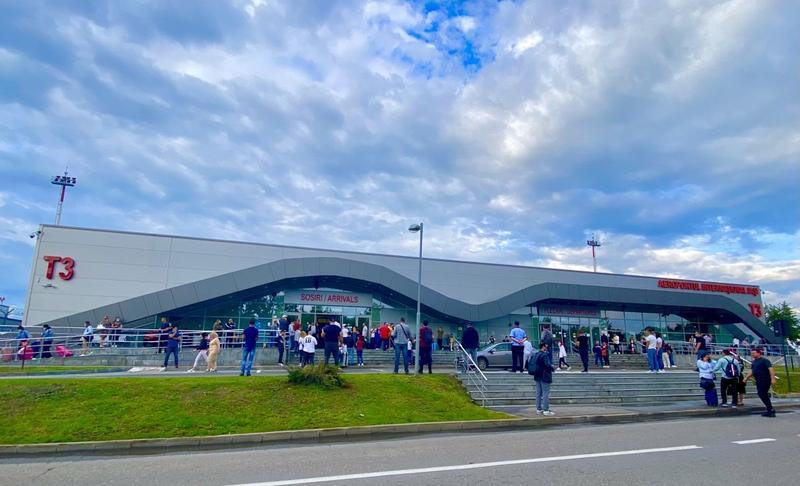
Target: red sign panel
{"x":708,"y":287}
{"x":67,"y":262}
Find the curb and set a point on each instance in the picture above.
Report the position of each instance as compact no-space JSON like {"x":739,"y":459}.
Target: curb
{"x":346,"y":434}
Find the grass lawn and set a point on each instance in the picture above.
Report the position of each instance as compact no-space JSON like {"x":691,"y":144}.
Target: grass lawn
{"x":783,"y":385}
{"x":68,"y":410}
{"x":35,"y":369}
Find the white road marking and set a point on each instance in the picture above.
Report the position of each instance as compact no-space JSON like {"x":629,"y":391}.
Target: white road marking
{"x":461,"y":467}
{"x":752,"y":441}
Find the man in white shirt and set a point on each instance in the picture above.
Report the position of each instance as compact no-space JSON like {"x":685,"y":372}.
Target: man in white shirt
{"x":88,"y":335}
{"x":650,"y":339}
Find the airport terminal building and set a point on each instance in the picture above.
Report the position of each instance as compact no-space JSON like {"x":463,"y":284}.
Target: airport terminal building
{"x":81,"y":274}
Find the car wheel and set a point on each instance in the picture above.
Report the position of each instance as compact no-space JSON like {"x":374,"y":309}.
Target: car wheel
{"x":483,"y":363}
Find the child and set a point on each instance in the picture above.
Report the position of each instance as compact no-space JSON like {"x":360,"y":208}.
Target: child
{"x":562,"y":356}
{"x":598,"y":361}
{"x":202,"y":352}
{"x":452,"y":342}
{"x":360,"y":350}
{"x":604,"y":355}
{"x":343,"y":355}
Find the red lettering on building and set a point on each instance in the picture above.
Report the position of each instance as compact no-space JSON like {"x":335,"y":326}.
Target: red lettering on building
{"x":756,"y":310}
{"x":709,"y":287}
{"x":67,"y":262}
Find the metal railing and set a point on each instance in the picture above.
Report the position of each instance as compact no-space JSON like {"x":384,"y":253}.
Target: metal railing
{"x":466,"y":366}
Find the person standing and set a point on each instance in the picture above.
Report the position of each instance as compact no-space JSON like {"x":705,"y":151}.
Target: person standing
{"x":471,"y":342}
{"x":699,"y":343}
{"x":705,"y":367}
{"x":280,"y":344}
{"x":402,"y":337}
{"x":162,"y":335}
{"x":230,"y":331}
{"x":88,"y":335}
{"x":173,"y":345}
{"x":562,"y":356}
{"x":249,"y":348}
{"x":47,"y":341}
{"x":518,"y":338}
{"x":615,"y":342}
{"x":527,"y":352}
{"x":360,"y":343}
{"x":583,"y":349}
{"x":385,"y":333}
{"x":543,"y":376}
{"x":650,"y":345}
{"x":213,"y":351}
{"x":547,"y":338}
{"x":309,"y":347}
{"x":764,"y":374}
{"x":440,"y":338}
{"x":331,"y":335}
{"x":731,"y":371}
{"x":659,"y":353}
{"x":202,"y":353}
{"x":425,"y":347}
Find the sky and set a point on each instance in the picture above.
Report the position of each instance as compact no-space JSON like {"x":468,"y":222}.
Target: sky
{"x":513,"y":129}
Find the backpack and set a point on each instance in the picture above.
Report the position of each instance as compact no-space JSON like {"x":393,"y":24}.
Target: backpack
{"x":731,"y":370}
{"x":427,"y":336}
{"x":533,"y":365}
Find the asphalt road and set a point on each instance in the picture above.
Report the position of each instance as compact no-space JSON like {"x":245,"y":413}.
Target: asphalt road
{"x":692,"y":451}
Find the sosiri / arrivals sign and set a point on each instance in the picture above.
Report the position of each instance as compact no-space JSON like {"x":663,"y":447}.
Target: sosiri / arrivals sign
{"x":327,"y":298}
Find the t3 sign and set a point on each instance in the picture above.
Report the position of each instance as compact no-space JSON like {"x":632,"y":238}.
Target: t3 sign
{"x":68,"y":264}
{"x":756,"y":310}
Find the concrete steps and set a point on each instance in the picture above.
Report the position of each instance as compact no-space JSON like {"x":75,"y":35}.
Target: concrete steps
{"x":601,"y":388}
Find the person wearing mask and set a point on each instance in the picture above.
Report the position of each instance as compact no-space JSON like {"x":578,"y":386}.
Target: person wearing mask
{"x":518,"y":338}
{"x":764,"y":374}
{"x":213,"y":351}
{"x":249,"y":348}
{"x":47,"y":341}
{"x":402,"y":338}
{"x":471,"y":342}
{"x":425,"y":347}
{"x":173,"y":346}
{"x":705,"y":367}
{"x":202,"y":353}
{"x":86,"y":342}
{"x":543,"y":376}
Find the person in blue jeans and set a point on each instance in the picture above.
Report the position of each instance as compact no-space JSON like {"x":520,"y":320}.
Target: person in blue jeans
{"x":651,"y":344}
{"x":543,"y":376}
{"x":401,"y":335}
{"x":249,"y":348}
{"x":173,"y":345}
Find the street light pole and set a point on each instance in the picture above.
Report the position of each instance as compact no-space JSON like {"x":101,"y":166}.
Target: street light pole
{"x":418,"y":228}
{"x":63,"y":181}
{"x":594,"y":244}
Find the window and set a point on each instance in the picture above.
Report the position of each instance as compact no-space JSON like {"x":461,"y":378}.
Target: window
{"x":502,"y":347}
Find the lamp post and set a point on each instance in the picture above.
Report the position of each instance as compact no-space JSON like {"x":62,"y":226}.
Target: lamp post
{"x":63,"y":181}
{"x":594,"y":244}
{"x":414,"y":228}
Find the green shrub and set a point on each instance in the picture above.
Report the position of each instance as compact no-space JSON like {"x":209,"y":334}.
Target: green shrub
{"x":318,"y":375}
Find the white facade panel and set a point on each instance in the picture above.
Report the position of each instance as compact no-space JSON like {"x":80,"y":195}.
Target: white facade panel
{"x":114,"y":266}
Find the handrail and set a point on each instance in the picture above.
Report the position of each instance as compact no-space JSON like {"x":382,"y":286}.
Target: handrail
{"x":470,"y":360}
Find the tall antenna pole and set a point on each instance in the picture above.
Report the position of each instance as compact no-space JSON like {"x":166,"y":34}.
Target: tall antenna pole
{"x":594,"y":244}
{"x":63,"y":181}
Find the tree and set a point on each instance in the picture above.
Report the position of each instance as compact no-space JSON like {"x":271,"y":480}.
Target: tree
{"x":784,"y":311}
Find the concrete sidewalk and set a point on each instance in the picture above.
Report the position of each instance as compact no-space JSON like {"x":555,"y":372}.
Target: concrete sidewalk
{"x":565,"y":416}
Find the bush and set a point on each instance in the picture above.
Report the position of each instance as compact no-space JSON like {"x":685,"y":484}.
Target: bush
{"x":318,"y":375}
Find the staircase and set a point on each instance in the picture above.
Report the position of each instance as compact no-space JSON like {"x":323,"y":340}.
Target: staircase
{"x":505,"y":389}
